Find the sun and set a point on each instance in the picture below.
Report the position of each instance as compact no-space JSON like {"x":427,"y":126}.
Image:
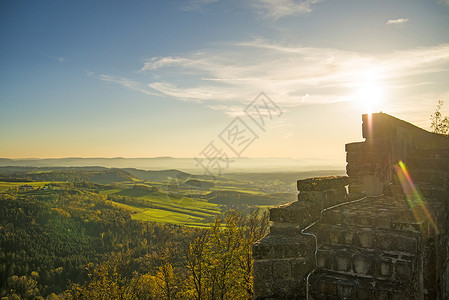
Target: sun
{"x":369,"y":93}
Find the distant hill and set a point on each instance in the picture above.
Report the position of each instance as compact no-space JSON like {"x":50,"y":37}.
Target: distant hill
{"x":11,"y":169}
{"x":89,"y":174}
{"x":202,"y":185}
{"x":158,"y":176}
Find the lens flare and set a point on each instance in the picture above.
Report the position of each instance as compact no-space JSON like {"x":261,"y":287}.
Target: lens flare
{"x":414,"y":198}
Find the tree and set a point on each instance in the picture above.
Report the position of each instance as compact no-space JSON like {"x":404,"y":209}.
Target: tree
{"x":197,"y":267}
{"x":255,"y":226}
{"x":220,"y":262}
{"x":439,"y":123}
{"x":167,"y":283}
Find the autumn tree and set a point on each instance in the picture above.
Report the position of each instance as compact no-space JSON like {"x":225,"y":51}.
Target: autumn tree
{"x":255,"y":226}
{"x":220,"y":262}
{"x":197,"y":266}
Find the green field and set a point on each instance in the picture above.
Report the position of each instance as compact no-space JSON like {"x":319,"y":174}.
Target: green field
{"x":166,"y":208}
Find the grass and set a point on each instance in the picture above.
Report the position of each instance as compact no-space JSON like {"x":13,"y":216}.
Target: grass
{"x":236,"y":189}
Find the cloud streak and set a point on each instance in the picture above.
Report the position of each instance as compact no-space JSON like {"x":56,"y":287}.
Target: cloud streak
{"x":397,"y":22}
{"x":275,"y":9}
{"x":125,"y":82}
{"x":197,"y":5}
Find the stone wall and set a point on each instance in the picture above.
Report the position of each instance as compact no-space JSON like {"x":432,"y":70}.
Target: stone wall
{"x":285,"y":257}
{"x":388,"y":141}
{"x":387,"y":238}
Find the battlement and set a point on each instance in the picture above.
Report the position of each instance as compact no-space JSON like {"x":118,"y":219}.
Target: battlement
{"x":378,"y":233}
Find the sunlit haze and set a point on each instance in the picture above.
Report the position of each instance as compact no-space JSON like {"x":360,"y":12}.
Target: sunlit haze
{"x":166,"y":78}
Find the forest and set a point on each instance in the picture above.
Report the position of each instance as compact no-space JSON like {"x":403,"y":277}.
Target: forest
{"x":79,"y":240}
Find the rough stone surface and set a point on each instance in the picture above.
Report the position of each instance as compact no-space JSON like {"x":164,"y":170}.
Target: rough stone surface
{"x":322,"y":183}
{"x":391,"y":246}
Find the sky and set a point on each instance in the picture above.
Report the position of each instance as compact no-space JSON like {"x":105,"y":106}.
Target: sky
{"x":256,"y":78}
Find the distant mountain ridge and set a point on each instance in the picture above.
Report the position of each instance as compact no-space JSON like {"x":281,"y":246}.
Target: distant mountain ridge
{"x":188,"y":165}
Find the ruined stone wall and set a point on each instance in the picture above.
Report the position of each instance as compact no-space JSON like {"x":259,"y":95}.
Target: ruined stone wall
{"x":391,"y":244}
{"x":285,"y":257}
{"x":388,"y":141}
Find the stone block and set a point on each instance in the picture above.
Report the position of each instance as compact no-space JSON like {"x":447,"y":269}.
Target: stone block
{"x":383,"y":222}
{"x":346,"y":291}
{"x":349,"y":237}
{"x":261,"y":251}
{"x":367,"y":157}
{"x":281,"y":269}
{"x":286,"y":288}
{"x":301,"y":213}
{"x":281,"y":246}
{"x":301,"y":267}
{"x":403,"y":270}
{"x":328,"y":288}
{"x":365,"y":238}
{"x":423,"y":162}
{"x":365,"y":293}
{"x":359,"y":169}
{"x":331,"y":217}
{"x":363,"y":265}
{"x":263,"y":271}
{"x":385,"y":268}
{"x":383,"y":294}
{"x":384,"y":240}
{"x":364,"y":220}
{"x":324,"y":199}
{"x":322,"y":183}
{"x":433,"y":177}
{"x":324,"y":260}
{"x":350,"y":218}
{"x":342,"y":263}
{"x":335,"y":236}
{"x":287,"y":229}
{"x":262,"y":289}
{"x":406,"y":244}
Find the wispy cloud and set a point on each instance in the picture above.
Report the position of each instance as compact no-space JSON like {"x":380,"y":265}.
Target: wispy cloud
{"x":230,"y":110}
{"x":269,"y":9}
{"x":57,"y":58}
{"x":226,"y":77}
{"x":125,"y":82}
{"x":397,"y":22}
{"x":159,"y":62}
{"x":275,"y":9}
{"x":195,"y":5}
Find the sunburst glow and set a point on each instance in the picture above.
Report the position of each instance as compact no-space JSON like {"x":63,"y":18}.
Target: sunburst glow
{"x":369,"y":92}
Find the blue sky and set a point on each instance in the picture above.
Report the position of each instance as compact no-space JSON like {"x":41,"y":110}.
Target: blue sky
{"x":165,"y":78}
